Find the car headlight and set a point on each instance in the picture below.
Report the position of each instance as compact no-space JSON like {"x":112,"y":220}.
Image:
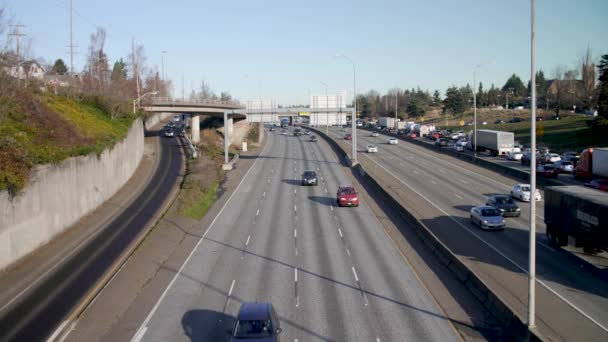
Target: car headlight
{"x":517,"y":209}
{"x":501,"y":210}
{"x":485,"y":222}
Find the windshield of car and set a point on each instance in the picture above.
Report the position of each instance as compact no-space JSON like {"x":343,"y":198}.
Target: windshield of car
{"x":525,"y":188}
{"x":253,"y":329}
{"x":504,"y":200}
{"x":490,"y":212}
{"x":309,"y":174}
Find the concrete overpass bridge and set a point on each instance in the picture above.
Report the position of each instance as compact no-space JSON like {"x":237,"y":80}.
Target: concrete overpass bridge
{"x":230,"y":112}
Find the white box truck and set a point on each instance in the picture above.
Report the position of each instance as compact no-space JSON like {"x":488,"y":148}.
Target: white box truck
{"x":386,"y":122}
{"x":495,"y":142}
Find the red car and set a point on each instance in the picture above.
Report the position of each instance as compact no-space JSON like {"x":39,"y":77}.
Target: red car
{"x":347,"y":196}
{"x":348,"y":137}
{"x":600,"y":184}
{"x":413,"y":135}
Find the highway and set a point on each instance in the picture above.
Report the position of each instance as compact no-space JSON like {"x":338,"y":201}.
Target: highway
{"x":33,"y":313}
{"x":453,"y":187}
{"x":331,"y":273}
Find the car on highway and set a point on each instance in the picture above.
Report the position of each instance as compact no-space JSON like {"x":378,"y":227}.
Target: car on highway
{"x":522,"y":192}
{"x":371,"y":148}
{"x":599,"y":184}
{"x":313,"y":138}
{"x":413,"y":135}
{"x":458,"y":148}
{"x":462,"y":142}
{"x":309,"y":178}
{"x":171,"y":124}
{"x":505,"y":204}
{"x":257,"y":322}
{"x":348,"y":136}
{"x":564,"y":166}
{"x":487,"y":217}
{"x":552,"y":158}
{"x":514,"y":120}
{"x":347,"y":196}
{"x":374,"y":134}
{"x":547,"y":171}
{"x":498,"y":122}
{"x":457,"y":135}
{"x":442,"y":142}
{"x":393,"y":141}
{"x":515,"y":154}
{"x":169,"y":132}
{"x":571,"y":157}
{"x":307,"y":132}
{"x":176,"y":118}
{"x":525,"y":158}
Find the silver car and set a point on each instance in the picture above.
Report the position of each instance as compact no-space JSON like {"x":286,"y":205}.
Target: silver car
{"x":375,"y":134}
{"x":487,"y":217}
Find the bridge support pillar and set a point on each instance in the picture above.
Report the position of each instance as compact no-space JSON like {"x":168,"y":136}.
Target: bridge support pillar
{"x":196,"y":128}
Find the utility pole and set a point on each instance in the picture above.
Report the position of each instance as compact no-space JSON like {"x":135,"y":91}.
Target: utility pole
{"x":17,"y":36}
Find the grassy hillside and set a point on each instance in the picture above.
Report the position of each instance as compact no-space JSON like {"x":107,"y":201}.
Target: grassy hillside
{"x":41,"y":128}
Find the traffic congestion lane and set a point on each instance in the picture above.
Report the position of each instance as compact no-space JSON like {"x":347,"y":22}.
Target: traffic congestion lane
{"x":558,"y":271}
{"x":270,"y":270}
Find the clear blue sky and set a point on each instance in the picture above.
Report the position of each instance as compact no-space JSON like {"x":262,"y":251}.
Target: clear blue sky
{"x":288,"y":47}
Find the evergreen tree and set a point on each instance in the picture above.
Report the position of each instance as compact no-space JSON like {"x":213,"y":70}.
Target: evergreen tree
{"x":602,"y":108}
{"x":515,"y":83}
{"x":481,"y":97}
{"x":453,"y":102}
{"x":59,"y":67}
{"x":436,"y":99}
{"x":119,"y":72}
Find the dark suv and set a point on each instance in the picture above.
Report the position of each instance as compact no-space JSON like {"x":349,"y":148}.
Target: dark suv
{"x":309,"y":178}
{"x":256,"y":322}
{"x":505,"y":204}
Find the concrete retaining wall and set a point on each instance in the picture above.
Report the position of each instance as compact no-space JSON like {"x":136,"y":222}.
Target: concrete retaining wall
{"x":155,"y":118}
{"x":514,"y":327}
{"x":59,"y":195}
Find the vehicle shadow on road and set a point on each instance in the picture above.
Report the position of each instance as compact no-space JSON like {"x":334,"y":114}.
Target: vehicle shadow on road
{"x":328,"y":201}
{"x":207,"y":325}
{"x":465,"y":208}
{"x":296,"y":182}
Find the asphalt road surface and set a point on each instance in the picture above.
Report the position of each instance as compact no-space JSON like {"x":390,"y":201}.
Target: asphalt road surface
{"x":43,"y":307}
{"x":332,"y":273}
{"x":455,"y":189}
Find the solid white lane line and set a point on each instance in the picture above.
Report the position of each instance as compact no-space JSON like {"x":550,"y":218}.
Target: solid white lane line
{"x":295,"y":275}
{"x":355,"y":274}
{"x":231,"y":287}
{"x":458,"y":196}
{"x":542,"y":283}
{"x":340,"y":231}
{"x":248,"y":238}
{"x":295,"y":233}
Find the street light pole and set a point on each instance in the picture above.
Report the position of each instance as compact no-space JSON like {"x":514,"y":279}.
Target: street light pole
{"x":396,"y":97}
{"x":138,"y":100}
{"x":327,"y":108}
{"x":354,"y":115}
{"x":475,"y":111}
{"x":532,"y":238}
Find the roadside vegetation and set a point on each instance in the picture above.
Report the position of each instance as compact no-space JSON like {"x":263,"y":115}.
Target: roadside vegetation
{"x":203,"y":176}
